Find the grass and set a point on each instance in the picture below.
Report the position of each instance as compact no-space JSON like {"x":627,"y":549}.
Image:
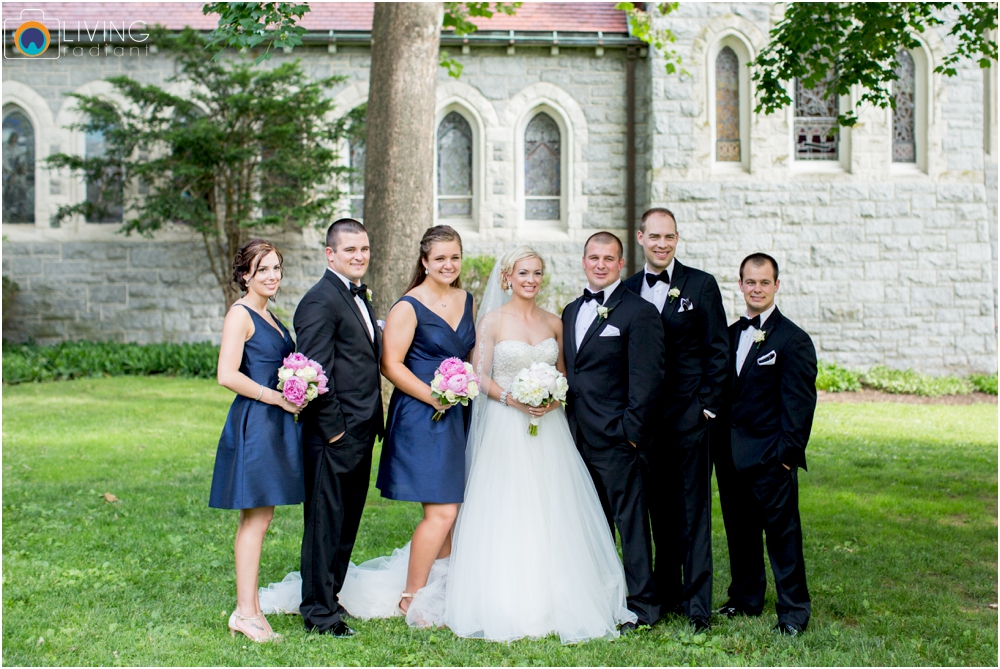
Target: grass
{"x":899,"y":509}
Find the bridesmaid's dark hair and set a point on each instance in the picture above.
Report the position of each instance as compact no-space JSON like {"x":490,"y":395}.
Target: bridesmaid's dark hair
{"x":248,"y":258}
{"x":439,"y":233}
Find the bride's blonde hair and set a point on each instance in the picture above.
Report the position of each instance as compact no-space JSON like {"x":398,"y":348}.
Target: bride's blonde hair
{"x":512,"y":257}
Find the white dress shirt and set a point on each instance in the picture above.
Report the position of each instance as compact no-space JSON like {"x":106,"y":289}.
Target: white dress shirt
{"x":588,"y":311}
{"x":657,"y":295}
{"x":359,"y":301}
{"x":746,"y":339}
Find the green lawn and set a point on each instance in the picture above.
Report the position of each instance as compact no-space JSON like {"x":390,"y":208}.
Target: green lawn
{"x":899,"y":509}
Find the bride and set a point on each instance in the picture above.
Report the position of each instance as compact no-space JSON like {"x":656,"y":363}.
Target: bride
{"x":532,"y":552}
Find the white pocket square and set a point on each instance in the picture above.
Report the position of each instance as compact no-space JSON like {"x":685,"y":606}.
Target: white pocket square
{"x":768,"y":359}
{"x":685,"y":305}
{"x":611,"y":331}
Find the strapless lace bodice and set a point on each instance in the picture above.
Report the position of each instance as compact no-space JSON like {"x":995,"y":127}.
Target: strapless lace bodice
{"x":511,"y":356}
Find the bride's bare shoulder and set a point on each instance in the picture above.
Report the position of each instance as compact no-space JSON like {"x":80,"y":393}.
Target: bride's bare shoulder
{"x":553,"y":321}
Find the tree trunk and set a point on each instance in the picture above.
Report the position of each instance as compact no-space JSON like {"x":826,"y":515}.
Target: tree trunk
{"x":399,"y":169}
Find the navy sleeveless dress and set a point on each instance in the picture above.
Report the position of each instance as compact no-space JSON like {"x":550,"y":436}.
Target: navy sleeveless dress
{"x":424,"y":460}
{"x":259,"y":461}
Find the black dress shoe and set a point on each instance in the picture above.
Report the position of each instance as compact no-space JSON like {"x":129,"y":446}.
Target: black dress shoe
{"x":786,"y":629}
{"x":699,"y":624}
{"x":627,"y":628}
{"x":339,"y":630}
{"x":731,"y":611}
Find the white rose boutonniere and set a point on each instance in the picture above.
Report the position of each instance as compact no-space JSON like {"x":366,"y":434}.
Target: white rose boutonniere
{"x":674,"y":294}
{"x":759,"y":336}
{"x":369,"y":291}
{"x":602,"y":313}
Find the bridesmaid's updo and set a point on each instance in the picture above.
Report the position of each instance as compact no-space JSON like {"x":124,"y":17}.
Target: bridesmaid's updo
{"x":439,"y":233}
{"x":248,"y":258}
{"x":514,"y":256}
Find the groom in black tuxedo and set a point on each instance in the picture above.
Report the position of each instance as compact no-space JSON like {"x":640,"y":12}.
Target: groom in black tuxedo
{"x":613,"y":377}
{"x":679,"y":475}
{"x":335,"y":325}
{"x":759,"y":446}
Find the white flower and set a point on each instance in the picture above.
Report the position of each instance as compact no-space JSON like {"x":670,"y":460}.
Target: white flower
{"x":759,"y":336}
{"x":468,"y":367}
{"x":561,"y":386}
{"x":473,"y":391}
{"x":284,"y":374}
{"x":307,"y":373}
{"x":603,"y":312}
{"x":674,"y":293}
{"x":450,"y":396}
{"x":437,"y":381}
{"x":369,"y":294}
{"x":311,"y":392}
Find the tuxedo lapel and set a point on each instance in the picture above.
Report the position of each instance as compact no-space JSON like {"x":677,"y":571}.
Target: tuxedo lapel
{"x":376,"y":333}
{"x":757,"y":350}
{"x":353,"y":306}
{"x":610,"y":303}
{"x":569,"y":336}
{"x":676,"y":281}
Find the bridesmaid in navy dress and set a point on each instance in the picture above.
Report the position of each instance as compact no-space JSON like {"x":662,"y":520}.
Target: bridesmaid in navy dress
{"x":259,"y":461}
{"x":424,"y":460}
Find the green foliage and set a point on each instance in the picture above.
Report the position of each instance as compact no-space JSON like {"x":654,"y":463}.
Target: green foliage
{"x":836,"y":379}
{"x":855,"y":43}
{"x":244,"y":152}
{"x":641,"y":24}
{"x":245,"y":25}
{"x":897,"y":506}
{"x":984,"y":383}
{"x":457,"y":17}
{"x":910,"y":382}
{"x":475,"y":273}
{"x":71,"y":360}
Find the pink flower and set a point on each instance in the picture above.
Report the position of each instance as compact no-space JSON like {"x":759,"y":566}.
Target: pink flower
{"x":451,"y":366}
{"x":316,"y":366}
{"x":294,"y":390}
{"x":457,"y":383}
{"x":297,"y":361}
{"x":321,"y":382}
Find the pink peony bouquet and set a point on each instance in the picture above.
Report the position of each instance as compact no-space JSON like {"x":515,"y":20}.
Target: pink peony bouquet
{"x":454,"y":383}
{"x":301,"y":380}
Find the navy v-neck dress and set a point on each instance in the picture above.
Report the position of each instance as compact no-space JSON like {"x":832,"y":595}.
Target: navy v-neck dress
{"x":259,"y":460}
{"x":424,"y":460}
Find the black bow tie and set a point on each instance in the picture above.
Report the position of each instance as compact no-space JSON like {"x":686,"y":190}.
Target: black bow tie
{"x":747,"y":322}
{"x":651,"y":279}
{"x":360,"y":289}
{"x":588,"y":296}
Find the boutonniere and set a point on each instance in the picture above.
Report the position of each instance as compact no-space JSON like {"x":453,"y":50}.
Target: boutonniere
{"x":602,"y":313}
{"x":369,"y":292}
{"x":759,"y":336}
{"x":674,"y":293}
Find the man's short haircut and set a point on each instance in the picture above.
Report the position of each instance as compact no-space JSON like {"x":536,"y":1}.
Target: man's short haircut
{"x":663,"y":211}
{"x":605,"y":238}
{"x":758,"y":259}
{"x":340,"y":226}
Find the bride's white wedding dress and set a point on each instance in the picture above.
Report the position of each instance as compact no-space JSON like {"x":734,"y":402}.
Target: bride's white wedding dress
{"x":532,"y":553}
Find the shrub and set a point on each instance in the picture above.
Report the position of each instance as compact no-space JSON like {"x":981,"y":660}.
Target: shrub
{"x":836,"y":379}
{"x":475,"y":273}
{"x":907,"y":381}
{"x":984,"y":383}
{"x":71,"y":360}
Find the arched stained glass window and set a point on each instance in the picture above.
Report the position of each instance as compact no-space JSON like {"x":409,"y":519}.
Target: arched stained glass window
{"x":454,"y":167}
{"x":904,"y":144}
{"x":727,"y":106}
{"x":816,"y":130}
{"x":542,"y":177}
{"x":18,"y":167}
{"x":356,"y":181}
{"x":97,"y":190}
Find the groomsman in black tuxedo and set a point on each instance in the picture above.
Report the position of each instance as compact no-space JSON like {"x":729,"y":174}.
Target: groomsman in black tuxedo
{"x":335,"y":325}
{"x":678,"y":475}
{"x":614,"y":365}
{"x":761,"y":444}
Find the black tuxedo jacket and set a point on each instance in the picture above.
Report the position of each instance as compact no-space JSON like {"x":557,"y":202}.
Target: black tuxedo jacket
{"x":613,"y":380}
{"x":771,"y":406}
{"x":330,"y":329}
{"x":696,"y":356}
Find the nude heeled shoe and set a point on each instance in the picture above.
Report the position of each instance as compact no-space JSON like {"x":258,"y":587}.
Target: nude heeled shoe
{"x":254,"y":628}
{"x":402,"y":596}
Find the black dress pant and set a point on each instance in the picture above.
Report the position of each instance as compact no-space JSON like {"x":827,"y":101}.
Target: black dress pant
{"x":617,"y":474}
{"x":764,"y":499}
{"x":678,"y":484}
{"x":336,"y":477}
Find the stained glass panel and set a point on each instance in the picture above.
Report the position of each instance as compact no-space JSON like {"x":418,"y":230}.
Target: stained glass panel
{"x":542,"y":178}
{"x":816,"y":129}
{"x":356,"y":181}
{"x":454,"y":167}
{"x":727,"y":106}
{"x":96,"y":147}
{"x":18,"y":168}
{"x":904,"y":145}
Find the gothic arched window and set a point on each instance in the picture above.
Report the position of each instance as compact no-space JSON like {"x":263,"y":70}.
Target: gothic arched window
{"x":18,"y":167}
{"x":904,"y":144}
{"x":454,"y":167}
{"x":816,"y":131}
{"x":98,"y":189}
{"x":542,"y":175}
{"x":356,"y":181}
{"x":727,"y":106}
